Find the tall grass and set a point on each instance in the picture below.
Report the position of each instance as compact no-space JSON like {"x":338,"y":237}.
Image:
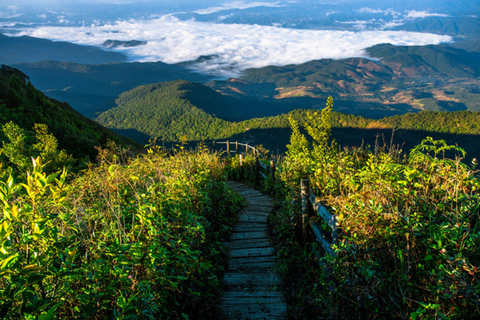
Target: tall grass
{"x":409,"y":232}
{"x":140,"y":240}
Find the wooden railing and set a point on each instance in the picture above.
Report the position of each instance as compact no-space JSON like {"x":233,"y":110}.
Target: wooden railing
{"x":248,"y":148}
{"x":308,"y":198}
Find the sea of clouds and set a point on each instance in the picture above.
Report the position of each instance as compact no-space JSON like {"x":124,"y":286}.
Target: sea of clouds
{"x":232,"y":48}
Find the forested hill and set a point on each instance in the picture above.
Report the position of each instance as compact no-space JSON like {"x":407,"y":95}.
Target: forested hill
{"x":162,"y":111}
{"x":170,"y":112}
{"x":23,"y":104}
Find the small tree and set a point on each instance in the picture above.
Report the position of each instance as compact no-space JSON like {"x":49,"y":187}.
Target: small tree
{"x":319,"y":127}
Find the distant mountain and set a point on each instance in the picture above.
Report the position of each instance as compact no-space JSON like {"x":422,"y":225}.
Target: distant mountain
{"x":28,"y":49}
{"x":92,"y":89}
{"x":21,"y":103}
{"x":398,"y":80}
{"x":430,"y":61}
{"x":462,"y":27}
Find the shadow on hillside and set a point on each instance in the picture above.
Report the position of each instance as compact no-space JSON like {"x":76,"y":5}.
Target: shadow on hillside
{"x":277,"y":139}
{"x":134,"y":135}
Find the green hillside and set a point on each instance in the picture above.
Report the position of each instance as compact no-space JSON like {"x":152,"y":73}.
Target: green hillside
{"x":23,"y":104}
{"x":168,"y":112}
{"x":179,"y":111}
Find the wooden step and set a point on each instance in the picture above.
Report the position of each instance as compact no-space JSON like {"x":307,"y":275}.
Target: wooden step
{"x":252,"y":290}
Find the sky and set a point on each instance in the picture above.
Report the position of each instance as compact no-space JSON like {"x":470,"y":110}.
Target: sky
{"x":233,"y":47}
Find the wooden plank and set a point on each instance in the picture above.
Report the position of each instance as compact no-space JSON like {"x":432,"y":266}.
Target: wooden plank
{"x":259,"y":211}
{"x":320,"y":237}
{"x":252,"y":306}
{"x":252,"y":252}
{"x":249,"y":243}
{"x":246,"y":266}
{"x":251,"y":228}
{"x":252,"y":281}
{"x":248,"y":235}
{"x":253,"y":218}
{"x":322,"y":211}
{"x":260,"y":204}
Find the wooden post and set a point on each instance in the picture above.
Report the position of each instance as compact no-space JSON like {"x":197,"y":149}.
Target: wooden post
{"x":304,"y":183}
{"x":257,"y":169}
{"x":334,"y":230}
{"x":272,"y":170}
{"x":241,"y":166}
{"x":236,"y":147}
{"x":228,"y":149}
{"x":214,"y":146}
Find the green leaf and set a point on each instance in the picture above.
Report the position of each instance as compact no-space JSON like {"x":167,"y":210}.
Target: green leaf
{"x":5,"y":262}
{"x":50,"y":314}
{"x":429,"y":257}
{"x":30,"y":268}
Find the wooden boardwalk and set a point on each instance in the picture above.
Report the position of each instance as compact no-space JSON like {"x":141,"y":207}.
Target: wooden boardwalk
{"x":252,"y":290}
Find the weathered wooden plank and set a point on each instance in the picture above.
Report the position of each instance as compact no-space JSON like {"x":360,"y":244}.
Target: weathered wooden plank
{"x":252,"y":281}
{"x":257,"y":211}
{"x":249,"y":243}
{"x":245,"y":295}
{"x":320,"y":237}
{"x":248,"y":235}
{"x":322,"y":211}
{"x":250,"y":306}
{"x":251,"y":262}
{"x":252,"y":252}
{"x":251,"y":228}
{"x":253,"y":218}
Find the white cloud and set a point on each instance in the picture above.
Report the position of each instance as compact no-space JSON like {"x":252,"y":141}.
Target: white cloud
{"x":12,"y":12}
{"x":370,"y":10}
{"x":413,"y":14}
{"x":237,"y":5}
{"x":234,"y":47}
{"x":391,"y":12}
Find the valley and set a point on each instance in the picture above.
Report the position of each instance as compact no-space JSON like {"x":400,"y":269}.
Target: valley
{"x":119,"y":200}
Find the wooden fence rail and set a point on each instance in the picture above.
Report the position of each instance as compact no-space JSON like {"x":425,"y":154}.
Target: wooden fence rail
{"x":308,"y":198}
{"x":248,"y":148}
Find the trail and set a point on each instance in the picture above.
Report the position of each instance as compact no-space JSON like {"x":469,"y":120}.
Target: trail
{"x":252,"y":290}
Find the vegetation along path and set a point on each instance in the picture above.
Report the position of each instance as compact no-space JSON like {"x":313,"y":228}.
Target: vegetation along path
{"x":252,"y":290}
